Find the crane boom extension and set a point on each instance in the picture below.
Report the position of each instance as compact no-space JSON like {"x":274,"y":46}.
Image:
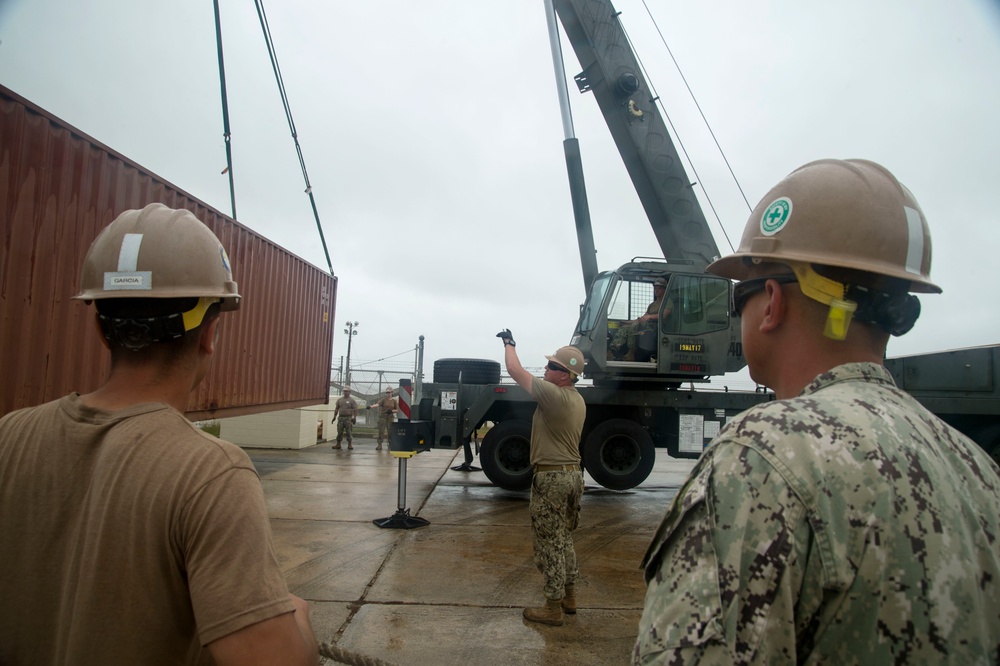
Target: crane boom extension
{"x":574,"y":165}
{"x":612,"y":73}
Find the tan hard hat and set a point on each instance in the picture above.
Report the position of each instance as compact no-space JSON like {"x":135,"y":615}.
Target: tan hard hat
{"x":845,"y":213}
{"x":568,"y":357}
{"x":158,"y":252}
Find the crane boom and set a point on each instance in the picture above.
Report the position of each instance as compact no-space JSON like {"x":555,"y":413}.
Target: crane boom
{"x":612,"y":72}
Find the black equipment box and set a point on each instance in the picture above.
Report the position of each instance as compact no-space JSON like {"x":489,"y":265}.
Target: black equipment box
{"x":413,"y":436}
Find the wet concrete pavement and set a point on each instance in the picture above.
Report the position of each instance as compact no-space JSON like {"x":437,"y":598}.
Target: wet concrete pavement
{"x":452,"y":592}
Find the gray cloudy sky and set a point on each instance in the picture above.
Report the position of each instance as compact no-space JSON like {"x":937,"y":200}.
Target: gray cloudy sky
{"x":433,"y":141}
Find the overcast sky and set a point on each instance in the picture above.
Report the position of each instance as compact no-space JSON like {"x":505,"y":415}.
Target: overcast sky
{"x":433,"y":141}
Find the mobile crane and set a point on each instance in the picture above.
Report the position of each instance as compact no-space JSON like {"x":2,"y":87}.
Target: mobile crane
{"x":693,"y":337}
{"x":636,"y":402}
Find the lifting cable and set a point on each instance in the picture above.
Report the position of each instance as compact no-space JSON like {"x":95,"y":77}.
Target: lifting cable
{"x":288,"y":114}
{"x":656,"y":97}
{"x":291,"y":123}
{"x":677,"y":136}
{"x":226,"y":134}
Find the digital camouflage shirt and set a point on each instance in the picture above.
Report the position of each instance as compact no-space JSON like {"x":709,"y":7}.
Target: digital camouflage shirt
{"x":845,"y":526}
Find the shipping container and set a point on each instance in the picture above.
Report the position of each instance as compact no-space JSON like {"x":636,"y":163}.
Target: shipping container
{"x":58,"y":189}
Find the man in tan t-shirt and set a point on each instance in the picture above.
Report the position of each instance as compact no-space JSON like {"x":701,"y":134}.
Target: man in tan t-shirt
{"x":386,"y":409}
{"x":128,"y":535}
{"x":557,"y":485}
{"x":345,"y":415}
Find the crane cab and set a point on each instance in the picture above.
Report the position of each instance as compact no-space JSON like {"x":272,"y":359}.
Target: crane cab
{"x":682,"y":330}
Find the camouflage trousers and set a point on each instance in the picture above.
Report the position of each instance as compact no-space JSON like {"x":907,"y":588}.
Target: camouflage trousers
{"x":555,"y":513}
{"x":625,"y":336}
{"x":345,"y":428}
{"x":384,"y":423}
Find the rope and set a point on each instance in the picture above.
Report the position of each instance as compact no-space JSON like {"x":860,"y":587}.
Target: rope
{"x":291,"y":123}
{"x":342,"y":656}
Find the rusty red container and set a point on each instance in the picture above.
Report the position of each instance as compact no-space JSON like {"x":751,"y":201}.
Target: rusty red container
{"x":58,"y":189}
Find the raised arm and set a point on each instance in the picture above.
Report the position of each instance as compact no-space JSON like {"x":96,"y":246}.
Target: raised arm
{"x":513,"y":363}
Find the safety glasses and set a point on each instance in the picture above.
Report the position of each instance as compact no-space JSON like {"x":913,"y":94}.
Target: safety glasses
{"x":555,"y":368}
{"x":747,"y":288}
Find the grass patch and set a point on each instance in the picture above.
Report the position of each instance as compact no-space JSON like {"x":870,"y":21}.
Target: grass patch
{"x":211,"y":427}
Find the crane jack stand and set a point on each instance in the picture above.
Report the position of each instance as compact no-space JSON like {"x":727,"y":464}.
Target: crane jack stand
{"x":402,"y":520}
{"x":467,"y":466}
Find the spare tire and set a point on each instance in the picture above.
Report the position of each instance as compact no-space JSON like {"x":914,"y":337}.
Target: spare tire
{"x":473,"y":371}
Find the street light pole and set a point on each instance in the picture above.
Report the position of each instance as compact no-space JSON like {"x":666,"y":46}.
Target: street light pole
{"x":418,"y":373}
{"x":351,"y":331}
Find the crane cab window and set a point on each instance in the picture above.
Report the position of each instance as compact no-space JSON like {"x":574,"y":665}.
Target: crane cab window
{"x":590,"y":312}
{"x":692,"y":305}
{"x":629,"y":300}
{"x":699,"y":304}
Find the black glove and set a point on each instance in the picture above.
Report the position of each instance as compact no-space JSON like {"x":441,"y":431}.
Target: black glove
{"x":507,"y":338}
{"x":354,"y":420}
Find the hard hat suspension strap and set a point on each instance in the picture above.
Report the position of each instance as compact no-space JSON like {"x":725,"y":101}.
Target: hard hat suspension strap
{"x":135,"y":333}
{"x":828,"y":292}
{"x":194,"y":316}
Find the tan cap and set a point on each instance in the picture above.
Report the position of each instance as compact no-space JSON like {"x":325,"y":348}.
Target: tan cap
{"x":570,"y":358}
{"x":659,"y":282}
{"x":158,"y":252}
{"x":846,"y":213}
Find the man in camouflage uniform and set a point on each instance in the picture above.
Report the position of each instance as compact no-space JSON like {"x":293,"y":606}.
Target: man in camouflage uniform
{"x":557,"y":485}
{"x":623,"y":345}
{"x":842,"y":523}
{"x":345,"y":414}
{"x":386,"y":409}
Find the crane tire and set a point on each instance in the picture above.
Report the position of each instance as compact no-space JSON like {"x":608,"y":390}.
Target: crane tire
{"x":506,"y":455}
{"x":619,"y":454}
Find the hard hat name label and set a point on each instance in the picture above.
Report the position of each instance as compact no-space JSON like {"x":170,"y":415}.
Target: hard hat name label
{"x":139,"y":280}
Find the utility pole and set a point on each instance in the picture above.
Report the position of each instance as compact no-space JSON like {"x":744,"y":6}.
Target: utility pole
{"x":351,"y":331}
{"x":418,"y":372}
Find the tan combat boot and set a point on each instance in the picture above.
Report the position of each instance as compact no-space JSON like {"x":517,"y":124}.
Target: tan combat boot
{"x":551,"y":613}
{"x":569,"y":600}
